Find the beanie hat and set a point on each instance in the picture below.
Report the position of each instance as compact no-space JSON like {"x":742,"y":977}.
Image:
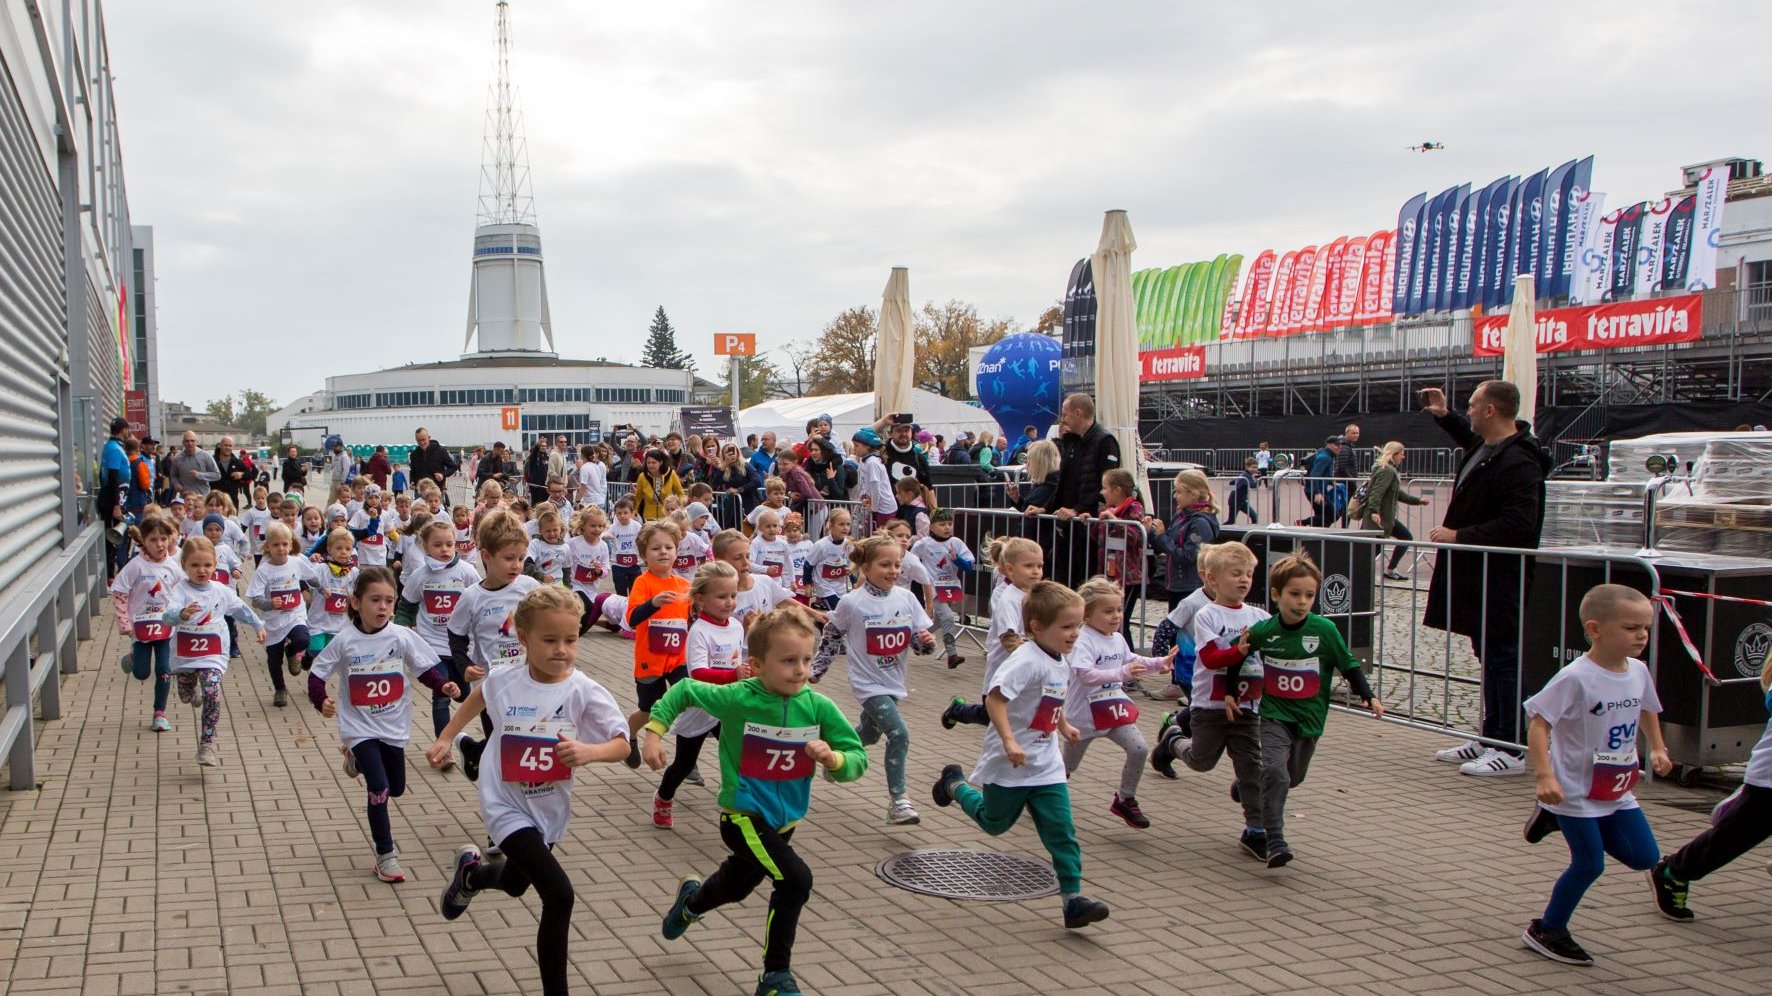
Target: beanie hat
{"x":697,"y":510}
{"x":866,"y":436}
{"x":213,"y":519}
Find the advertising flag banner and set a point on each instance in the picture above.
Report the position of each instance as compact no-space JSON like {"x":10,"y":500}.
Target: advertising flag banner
{"x":1496,"y":241}
{"x":1567,"y":236}
{"x":1377,"y":282}
{"x":1433,"y":266}
{"x":1183,"y":304}
{"x":1676,"y":246}
{"x":1347,"y":293}
{"x":1282,"y":293}
{"x":1593,"y":272}
{"x":1465,"y":259}
{"x":1408,"y":234}
{"x":1526,"y":225}
{"x":1323,"y":284}
{"x":1624,"y":252}
{"x":1303,"y":270}
{"x":1654,"y":230}
{"x":1252,"y":310}
{"x":1550,"y":259}
{"x":1653,"y":322}
{"x":1707,"y":229}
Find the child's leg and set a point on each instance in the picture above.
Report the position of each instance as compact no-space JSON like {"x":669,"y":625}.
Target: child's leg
{"x":233,"y":639}
{"x":1131,"y":603}
{"x":759,"y":852}
{"x":187,"y":687}
{"x":995,"y":809}
{"x":1277,"y":739}
{"x":1299,"y":763}
{"x":1137,"y":753}
{"x":141,"y":659}
{"x":529,"y":860}
{"x":1587,"y":859}
{"x":1050,"y":808}
{"x":881,"y":711}
{"x":949,"y":624}
{"x":688,"y":752}
{"x":274,"y":660}
{"x":211,"y":690}
{"x":1627,"y":837}
{"x":1243,"y":743}
{"x":1201,"y":753}
{"x":162,"y":653}
{"x":1073,"y":754}
{"x":1163,"y":637}
{"x":1741,"y":824}
{"x":368,"y":755}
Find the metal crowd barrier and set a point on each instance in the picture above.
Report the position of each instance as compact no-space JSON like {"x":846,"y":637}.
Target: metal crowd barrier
{"x":41,"y":626}
{"x":1435,"y":461}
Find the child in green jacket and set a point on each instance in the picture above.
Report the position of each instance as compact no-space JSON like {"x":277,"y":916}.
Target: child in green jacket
{"x":775,"y":733}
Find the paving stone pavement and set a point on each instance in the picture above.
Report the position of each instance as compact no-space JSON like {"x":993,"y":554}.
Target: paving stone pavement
{"x":131,"y":870}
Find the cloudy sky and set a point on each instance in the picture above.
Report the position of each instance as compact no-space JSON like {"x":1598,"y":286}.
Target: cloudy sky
{"x":311,"y":169}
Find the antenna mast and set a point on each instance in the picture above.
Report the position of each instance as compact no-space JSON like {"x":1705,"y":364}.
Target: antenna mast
{"x":505,"y":198}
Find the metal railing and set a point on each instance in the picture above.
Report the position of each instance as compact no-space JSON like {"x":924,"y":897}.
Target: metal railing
{"x":40,"y":629}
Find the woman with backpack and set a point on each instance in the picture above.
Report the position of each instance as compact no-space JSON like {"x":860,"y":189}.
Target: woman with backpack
{"x":1375,"y":507}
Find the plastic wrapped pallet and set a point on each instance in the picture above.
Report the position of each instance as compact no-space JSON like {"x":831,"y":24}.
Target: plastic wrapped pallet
{"x":1625,"y":458}
{"x":1735,"y":465}
{"x":1740,"y":527}
{"x":1590,"y":513}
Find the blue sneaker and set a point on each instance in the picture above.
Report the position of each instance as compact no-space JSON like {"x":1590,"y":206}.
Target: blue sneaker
{"x":678,"y":919}
{"x":778,"y":984}
{"x":943,"y":792}
{"x":457,"y":895}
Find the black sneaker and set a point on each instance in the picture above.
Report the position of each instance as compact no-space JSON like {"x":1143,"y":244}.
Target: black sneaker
{"x":1670,"y":893}
{"x":1253,"y":844}
{"x":678,"y":918}
{"x":1081,"y":911}
{"x":457,"y":895}
{"x":470,"y":751}
{"x":633,"y":758}
{"x":1126,"y":808}
{"x":1162,"y":755}
{"x":948,"y":719}
{"x":943,"y":792}
{"x":777,"y":984}
{"x":1541,"y":824}
{"x":1279,"y":855}
{"x":1557,"y":945}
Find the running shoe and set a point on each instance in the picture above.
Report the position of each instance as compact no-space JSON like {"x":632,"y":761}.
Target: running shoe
{"x":387,"y":867}
{"x":1254,"y":844}
{"x":678,"y":918}
{"x":1163,"y":754}
{"x":128,"y":663}
{"x":351,"y":765}
{"x":633,"y":758}
{"x":1395,"y":576}
{"x":1670,"y":893}
{"x":1470,"y":750}
{"x":777,"y":984}
{"x":943,"y":792}
{"x":470,"y":751}
{"x":293,"y":663}
{"x":1541,"y":824}
{"x":954,"y":661}
{"x":1126,"y":808}
{"x":1494,"y":763}
{"x":1557,"y":945}
{"x":160,"y":724}
{"x":1171,"y":693}
{"x":1279,"y":855}
{"x":694,"y":777}
{"x":208,"y":756}
{"x":280,"y":698}
{"x":1081,"y":911}
{"x":948,"y":718}
{"x":661,"y":813}
{"x":457,"y":894}
{"x":901,"y":813}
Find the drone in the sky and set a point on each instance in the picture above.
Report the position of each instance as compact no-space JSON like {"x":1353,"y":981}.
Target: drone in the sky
{"x":1428,"y":147}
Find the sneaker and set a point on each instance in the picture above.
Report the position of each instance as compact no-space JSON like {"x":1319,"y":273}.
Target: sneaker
{"x":627,"y":634}
{"x":694,"y":777}
{"x":1254,"y":844}
{"x":1081,"y":911}
{"x":457,"y":894}
{"x":1557,"y":945}
{"x":387,"y":867}
{"x":293,"y":663}
{"x":954,"y":661}
{"x":777,"y":984}
{"x":1493,"y":763}
{"x":128,"y":663}
{"x":678,"y":919}
{"x":1279,"y":855}
{"x":208,"y":756}
{"x":1670,"y":893}
{"x":1541,"y":824}
{"x":280,"y":698}
{"x":943,"y":792}
{"x":1470,"y":750}
{"x":1126,"y":808}
{"x":160,"y":723}
{"x":661,"y":813}
{"x":1163,"y":755}
{"x":470,"y":751}
{"x":633,"y":758}
{"x":948,"y":719}
{"x":351,"y":765}
{"x":1395,"y":576}
{"x":1171,"y":693}
{"x":901,"y":814}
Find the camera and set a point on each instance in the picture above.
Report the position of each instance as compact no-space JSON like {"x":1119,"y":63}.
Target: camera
{"x":901,"y":418}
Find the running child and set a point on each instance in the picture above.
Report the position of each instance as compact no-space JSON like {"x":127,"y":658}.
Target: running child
{"x":229,"y":569}
{"x":945,"y":556}
{"x":548,"y":558}
{"x":624,"y":549}
{"x":218,"y":503}
{"x":139,"y":593}
{"x":911,"y":509}
{"x":715,"y":655}
{"x":775,"y":733}
{"x":877,"y":626}
{"x":827,"y":564}
{"x":1194,"y":525}
{"x":462,"y":518}
{"x":1019,"y":564}
{"x":757,"y":595}
{"x":367,"y":528}
{"x":332,"y":581}
{"x":793,"y":532}
{"x":658,"y":613}
{"x":551,"y":718}
{"x":482,"y":629}
{"x":276,"y":591}
{"x":912,"y":575}
{"x":1301,"y":652}
{"x":374,"y":715}
{"x":1583,"y":747}
{"x":183,"y":517}
{"x":436,"y":586}
{"x":196,"y":609}
{"x":253,"y":521}
{"x":693,"y":548}
{"x":775,"y":502}
{"x":770,"y":553}
{"x":587,"y":560}
{"x":1096,"y":702}
{"x":1019,"y":764}
{"x":313,"y":528}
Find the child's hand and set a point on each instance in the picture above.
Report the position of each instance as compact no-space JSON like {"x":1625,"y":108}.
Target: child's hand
{"x":1010,"y":641}
{"x":746,"y":671}
{"x":474,"y":672}
{"x":653,"y":752}
{"x":1230,"y":708}
{"x":1376,"y":707}
{"x":665,"y":598}
{"x":1154,"y":524}
{"x":189,"y":611}
{"x":261,"y":637}
{"x":1660,"y":763}
{"x":451,"y":689}
{"x":316,"y":558}
{"x":1070,"y":733}
{"x":1137,"y":670}
{"x":1550,"y":791}
{"x":438,"y":753}
{"x":822,"y":755}
{"x":572,"y":753}
{"x":329,"y":708}
{"x":1012,"y":750}
{"x":1243,"y":642}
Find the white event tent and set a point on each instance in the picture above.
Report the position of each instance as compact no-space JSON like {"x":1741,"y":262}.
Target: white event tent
{"x":787,"y":417}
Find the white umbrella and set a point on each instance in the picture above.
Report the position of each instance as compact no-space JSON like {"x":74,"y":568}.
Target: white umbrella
{"x":1519,"y":362}
{"x":895,"y":363}
{"x":1116,"y":344}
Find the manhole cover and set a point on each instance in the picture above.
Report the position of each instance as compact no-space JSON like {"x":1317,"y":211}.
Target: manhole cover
{"x":984,"y":875}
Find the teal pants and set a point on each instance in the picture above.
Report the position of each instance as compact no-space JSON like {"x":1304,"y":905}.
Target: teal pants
{"x":997,"y":808}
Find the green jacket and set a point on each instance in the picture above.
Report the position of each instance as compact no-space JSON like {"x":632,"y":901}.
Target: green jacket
{"x":1289,"y":655}
{"x":764,"y":770}
{"x":1383,"y":491}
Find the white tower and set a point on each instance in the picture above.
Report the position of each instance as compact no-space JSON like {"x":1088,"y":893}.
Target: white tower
{"x":508,"y":298}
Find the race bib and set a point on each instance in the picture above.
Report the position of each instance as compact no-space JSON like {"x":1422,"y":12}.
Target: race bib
{"x":833,"y":572}
{"x":948,"y":594}
{"x":526,"y":753}
{"x":258,"y":531}
{"x":1109,"y":707}
{"x":586,"y":573}
{"x":776,"y":753}
{"x":337,"y":603}
{"x":1050,"y":710}
{"x":772,"y":569}
{"x":221,"y":575}
{"x":441,"y":601}
{"x":627,"y":560}
{"x":888,"y":641}
{"x":373,"y":539}
{"x":1246,"y":688}
{"x":149,"y":630}
{"x":193,"y":644}
{"x":373,"y":684}
{"x":666,"y":636}
{"x":1301,"y":679}
{"x":284,"y":599}
{"x":683,"y":564}
{"x":1615,"y":772}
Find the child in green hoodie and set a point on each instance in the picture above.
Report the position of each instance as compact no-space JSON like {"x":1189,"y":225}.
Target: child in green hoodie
{"x":775,"y":733}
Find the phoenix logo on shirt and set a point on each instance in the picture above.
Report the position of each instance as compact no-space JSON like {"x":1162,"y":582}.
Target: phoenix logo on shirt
{"x":203,"y":621}
{"x":1599,"y":707}
{"x":504,"y":628}
{"x":156,"y":589}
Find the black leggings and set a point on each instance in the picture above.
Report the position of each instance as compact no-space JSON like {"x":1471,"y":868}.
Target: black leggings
{"x":759,"y":852}
{"x":383,"y":767}
{"x":1741,"y":824}
{"x":529,"y":860}
{"x":688,"y":751}
{"x":295,"y":645}
{"x":1399,"y":531}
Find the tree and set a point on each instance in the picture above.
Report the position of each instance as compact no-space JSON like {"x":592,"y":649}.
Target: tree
{"x":799,"y":357}
{"x":660,"y":351}
{"x":945,"y":335}
{"x":222,"y":409}
{"x":755,"y":377}
{"x":1051,"y":320}
{"x":255,"y":408}
{"x":843,"y":359}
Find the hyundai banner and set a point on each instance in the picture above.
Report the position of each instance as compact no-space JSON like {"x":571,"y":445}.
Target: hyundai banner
{"x":1654,"y":322}
{"x":1408,"y":233}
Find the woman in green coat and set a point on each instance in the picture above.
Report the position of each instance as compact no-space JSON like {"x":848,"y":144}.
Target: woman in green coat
{"x":1383,"y":490}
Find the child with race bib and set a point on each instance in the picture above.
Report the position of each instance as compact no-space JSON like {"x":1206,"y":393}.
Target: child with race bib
{"x":757,"y":594}
{"x":793,"y":533}
{"x":483,"y":627}
{"x":770,"y":554}
{"x":276,"y":591}
{"x":827,"y":563}
{"x":1019,"y":563}
{"x":658,"y":613}
{"x":549,"y":559}
{"x":197,"y":609}
{"x":877,"y":626}
{"x":715,"y":654}
{"x":1019,"y":763}
{"x":624,"y":546}
{"x":775,"y":733}
{"x":945,"y":556}
{"x":1583,"y":747}
{"x":374,"y":715}
{"x":334,"y":575}
{"x":229,"y":568}
{"x":550,"y":718}
{"x":139,"y":593}
{"x":1096,"y":702}
{"x":587,"y":562}
{"x":436,"y":587}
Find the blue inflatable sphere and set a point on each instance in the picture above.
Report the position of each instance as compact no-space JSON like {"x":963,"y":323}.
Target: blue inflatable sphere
{"x":1018,"y":382}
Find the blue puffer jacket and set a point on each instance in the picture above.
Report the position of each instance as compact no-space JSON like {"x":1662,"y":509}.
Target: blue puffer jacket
{"x":1189,"y":530}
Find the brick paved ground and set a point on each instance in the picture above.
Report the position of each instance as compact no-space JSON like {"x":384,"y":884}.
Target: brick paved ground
{"x":134,"y":871}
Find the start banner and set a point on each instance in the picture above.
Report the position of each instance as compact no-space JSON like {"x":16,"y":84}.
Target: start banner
{"x":1185,"y":363}
{"x":1653,"y":322}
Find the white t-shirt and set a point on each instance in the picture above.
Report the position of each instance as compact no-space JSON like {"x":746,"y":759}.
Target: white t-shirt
{"x":587,"y":563}
{"x":489,"y":620}
{"x":694,"y":551}
{"x":1006,"y":602}
{"x":464,"y":541}
{"x":1034,"y":682}
{"x":280,"y":584}
{"x":781,"y":512}
{"x":189,"y":527}
{"x":531,"y":528}
{"x":372,"y":700}
{"x":372,"y":549}
{"x":878,"y":633}
{"x":253,"y":521}
{"x":872,"y":481}
{"x":235,"y":537}
{"x":760,"y":597}
{"x":712,"y":647}
{"x":944,"y":559}
{"x":1182,"y":616}
{"x":624,"y":551}
{"x":830,"y":567}
{"x":437,"y":589}
{"x":1094,"y":709}
{"x":593,"y":482}
{"x":200,"y":643}
{"x":1593,"y":715}
{"x":551,"y":559}
{"x":797,"y":554}
{"x":522,"y":784}
{"x":1225,"y":624}
{"x":330,"y":610}
{"x":912,"y":571}
{"x":147,"y":584}
{"x":228,"y":567}
{"x":772,"y":558}
{"x":1759,"y":762}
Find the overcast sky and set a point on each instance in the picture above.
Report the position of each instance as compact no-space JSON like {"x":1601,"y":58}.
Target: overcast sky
{"x":311,"y":169}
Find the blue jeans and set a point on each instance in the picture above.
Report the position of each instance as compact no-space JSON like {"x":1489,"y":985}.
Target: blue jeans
{"x":1624,"y":834}
{"x":154,"y":658}
{"x":879,"y":715}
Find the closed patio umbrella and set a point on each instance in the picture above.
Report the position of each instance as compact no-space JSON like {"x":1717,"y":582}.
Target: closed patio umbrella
{"x":895,"y":361}
{"x":1519,"y":362}
{"x":1116,"y":344}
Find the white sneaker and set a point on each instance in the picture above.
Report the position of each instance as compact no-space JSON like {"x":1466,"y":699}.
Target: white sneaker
{"x":1470,"y":750}
{"x":901,"y":813}
{"x":1494,"y":762}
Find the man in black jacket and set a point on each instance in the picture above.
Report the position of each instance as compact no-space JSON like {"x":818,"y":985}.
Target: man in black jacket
{"x":431,"y":462}
{"x":496,"y":465}
{"x":1497,"y":500}
{"x":1085,"y":452}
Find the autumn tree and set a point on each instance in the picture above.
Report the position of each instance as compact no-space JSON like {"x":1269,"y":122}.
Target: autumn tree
{"x":254,"y":410}
{"x":843,"y":358}
{"x":756,"y":374}
{"x":945,"y":334}
{"x":221,"y":409}
{"x":1051,"y":320}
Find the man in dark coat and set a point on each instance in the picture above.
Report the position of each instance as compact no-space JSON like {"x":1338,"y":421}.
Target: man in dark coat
{"x":431,"y":462}
{"x":1085,"y":452}
{"x":1497,"y":500}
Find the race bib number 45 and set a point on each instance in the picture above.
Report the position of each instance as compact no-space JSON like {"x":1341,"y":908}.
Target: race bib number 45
{"x":776,"y":753}
{"x":526,"y":753}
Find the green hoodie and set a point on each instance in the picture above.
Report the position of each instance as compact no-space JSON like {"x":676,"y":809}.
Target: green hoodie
{"x":764,"y":769}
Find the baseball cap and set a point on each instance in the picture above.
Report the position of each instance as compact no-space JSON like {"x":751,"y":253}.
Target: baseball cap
{"x":1337,"y":440}
{"x":335,"y":511}
{"x":177,"y":500}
